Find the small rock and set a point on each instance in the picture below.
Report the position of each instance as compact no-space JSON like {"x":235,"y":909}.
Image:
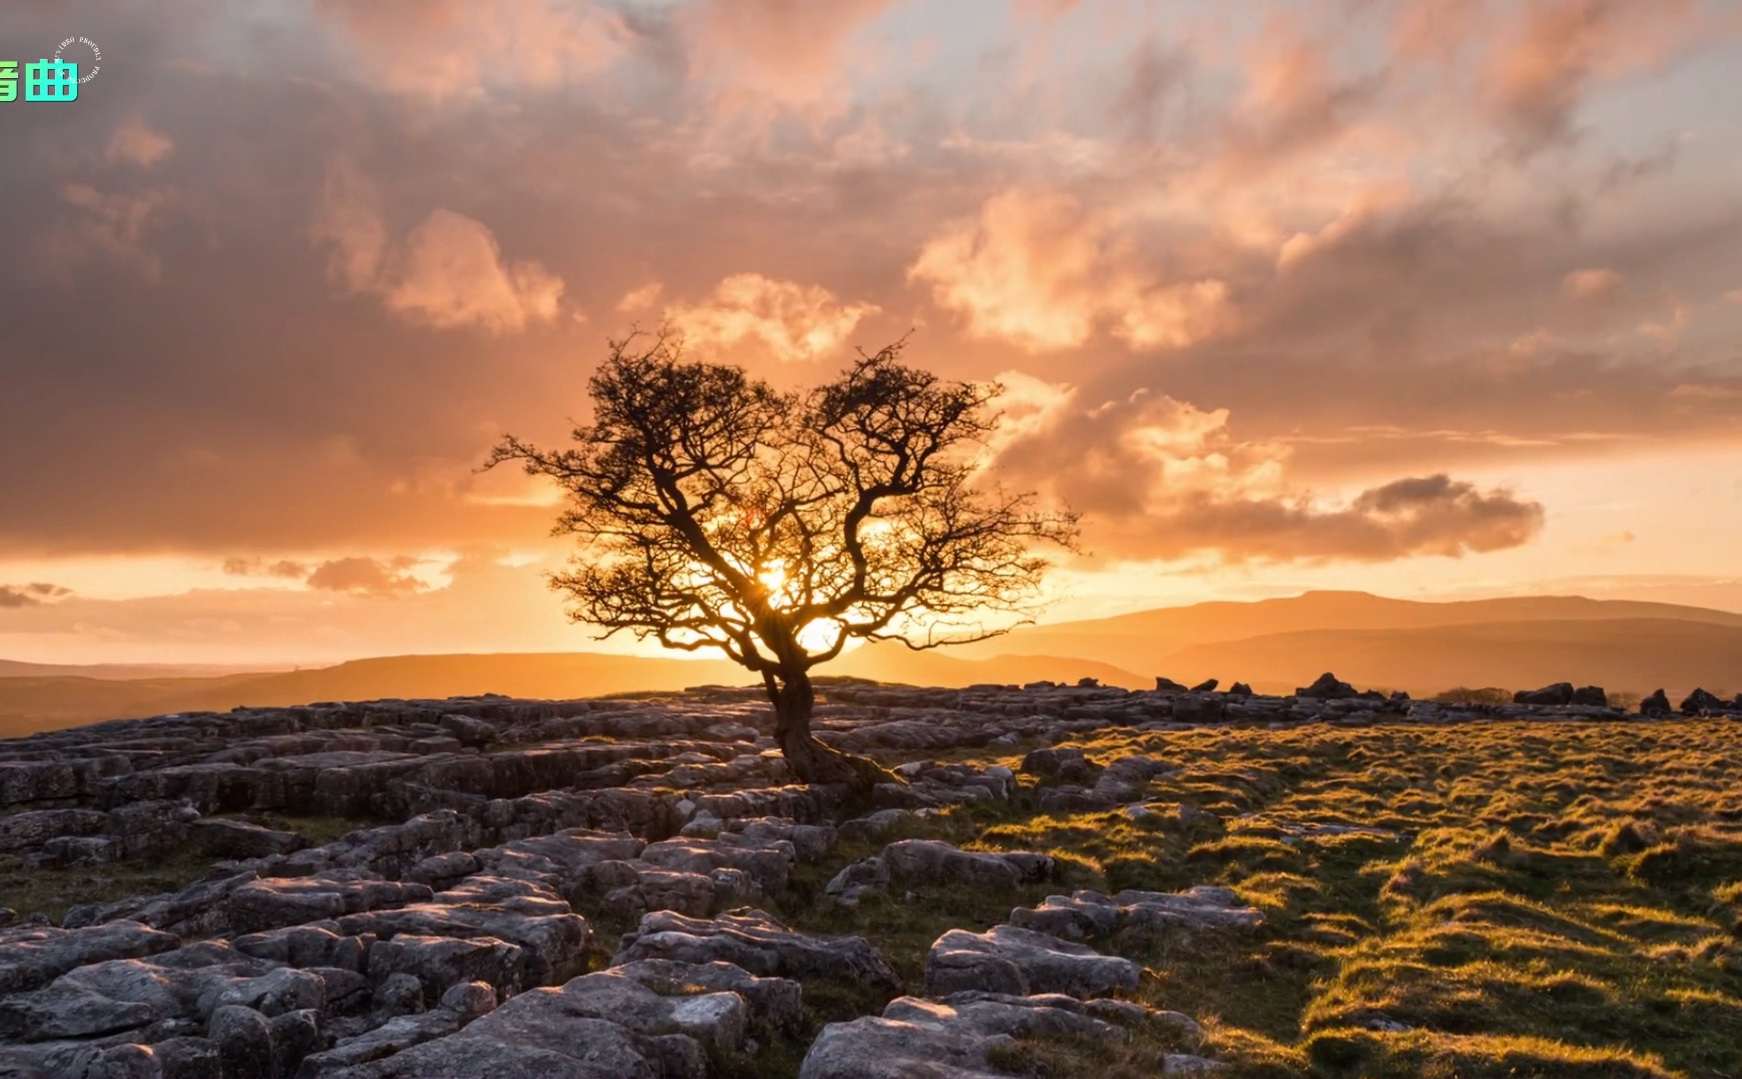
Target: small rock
{"x":117,"y":1062}
{"x":224,"y":838}
{"x":1063,"y":800}
{"x":854,"y":880}
{"x":243,"y":1038}
{"x":1191,"y":816}
{"x":400,"y":993}
{"x":875,"y":825}
{"x":1186,"y":1066}
{"x":295,"y":1035}
{"x":188,"y":1058}
{"x":470,"y":999}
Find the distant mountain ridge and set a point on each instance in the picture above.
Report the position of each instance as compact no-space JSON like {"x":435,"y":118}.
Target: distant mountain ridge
{"x":1147,"y":640}
{"x":1274,"y":645}
{"x":1634,"y":655}
{"x":11,"y":668}
{"x":31,"y":704}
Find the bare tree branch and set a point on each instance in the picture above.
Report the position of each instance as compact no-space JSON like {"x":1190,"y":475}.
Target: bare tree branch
{"x":713,"y":512}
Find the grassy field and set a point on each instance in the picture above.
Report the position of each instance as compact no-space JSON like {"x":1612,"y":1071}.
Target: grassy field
{"x":1528,"y":899}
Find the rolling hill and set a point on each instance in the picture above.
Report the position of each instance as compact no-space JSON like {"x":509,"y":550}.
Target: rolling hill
{"x":1634,"y":655}
{"x":110,"y":672}
{"x":1146,"y":641}
{"x":1274,"y":645}
{"x":33,"y":704}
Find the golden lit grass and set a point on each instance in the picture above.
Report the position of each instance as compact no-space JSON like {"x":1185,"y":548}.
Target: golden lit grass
{"x":1526,"y":899}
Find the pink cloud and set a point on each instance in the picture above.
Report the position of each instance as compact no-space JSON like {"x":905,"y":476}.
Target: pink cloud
{"x":787,"y":321}
{"x":138,"y":144}
{"x":1159,"y":478}
{"x":448,"y":272}
{"x":1039,"y":270}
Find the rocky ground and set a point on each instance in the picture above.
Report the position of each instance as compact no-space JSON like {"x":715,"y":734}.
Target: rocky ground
{"x":499,"y":887}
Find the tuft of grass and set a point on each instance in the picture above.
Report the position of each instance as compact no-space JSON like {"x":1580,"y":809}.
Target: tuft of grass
{"x":53,"y":891}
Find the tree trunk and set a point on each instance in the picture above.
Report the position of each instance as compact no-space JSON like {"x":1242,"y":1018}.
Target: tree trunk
{"x":811,"y":760}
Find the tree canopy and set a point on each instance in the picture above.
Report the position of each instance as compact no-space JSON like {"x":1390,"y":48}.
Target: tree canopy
{"x":714,"y":511}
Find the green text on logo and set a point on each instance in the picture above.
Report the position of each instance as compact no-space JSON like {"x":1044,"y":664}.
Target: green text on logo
{"x":44,"y":80}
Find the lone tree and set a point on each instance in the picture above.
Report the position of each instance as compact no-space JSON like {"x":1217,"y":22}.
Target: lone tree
{"x":715,"y":512}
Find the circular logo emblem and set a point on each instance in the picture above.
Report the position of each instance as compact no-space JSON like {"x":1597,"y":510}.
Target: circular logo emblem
{"x":74,"y":49}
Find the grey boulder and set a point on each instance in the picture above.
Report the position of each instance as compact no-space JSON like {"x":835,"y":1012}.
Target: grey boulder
{"x":541,"y":1034}
{"x":950,"y":1039}
{"x":460,"y":1005}
{"x":757,"y":942}
{"x":1089,"y":915}
{"x":36,"y":955}
{"x":1020,"y":962}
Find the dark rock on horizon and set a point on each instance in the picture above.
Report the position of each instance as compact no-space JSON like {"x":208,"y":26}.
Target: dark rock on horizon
{"x":1327,"y":687}
{"x":1700,"y":700}
{"x":1590,"y":697}
{"x":1557,"y":694}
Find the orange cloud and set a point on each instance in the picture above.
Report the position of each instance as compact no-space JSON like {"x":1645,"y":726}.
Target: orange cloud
{"x":1557,"y":48}
{"x":448,"y":273}
{"x":138,"y":144}
{"x":451,"y":274}
{"x":440,"y":50}
{"x":1593,"y":284}
{"x":284,"y":568}
{"x":31,"y":595}
{"x":104,"y":228}
{"x":1039,"y":270}
{"x":642,"y":298}
{"x":791,"y":322}
{"x":1158,"y":478}
{"x":774,"y":50}
{"x":365,"y":576}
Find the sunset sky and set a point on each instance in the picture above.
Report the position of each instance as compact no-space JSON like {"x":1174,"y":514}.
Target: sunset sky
{"x":1431,"y":298}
